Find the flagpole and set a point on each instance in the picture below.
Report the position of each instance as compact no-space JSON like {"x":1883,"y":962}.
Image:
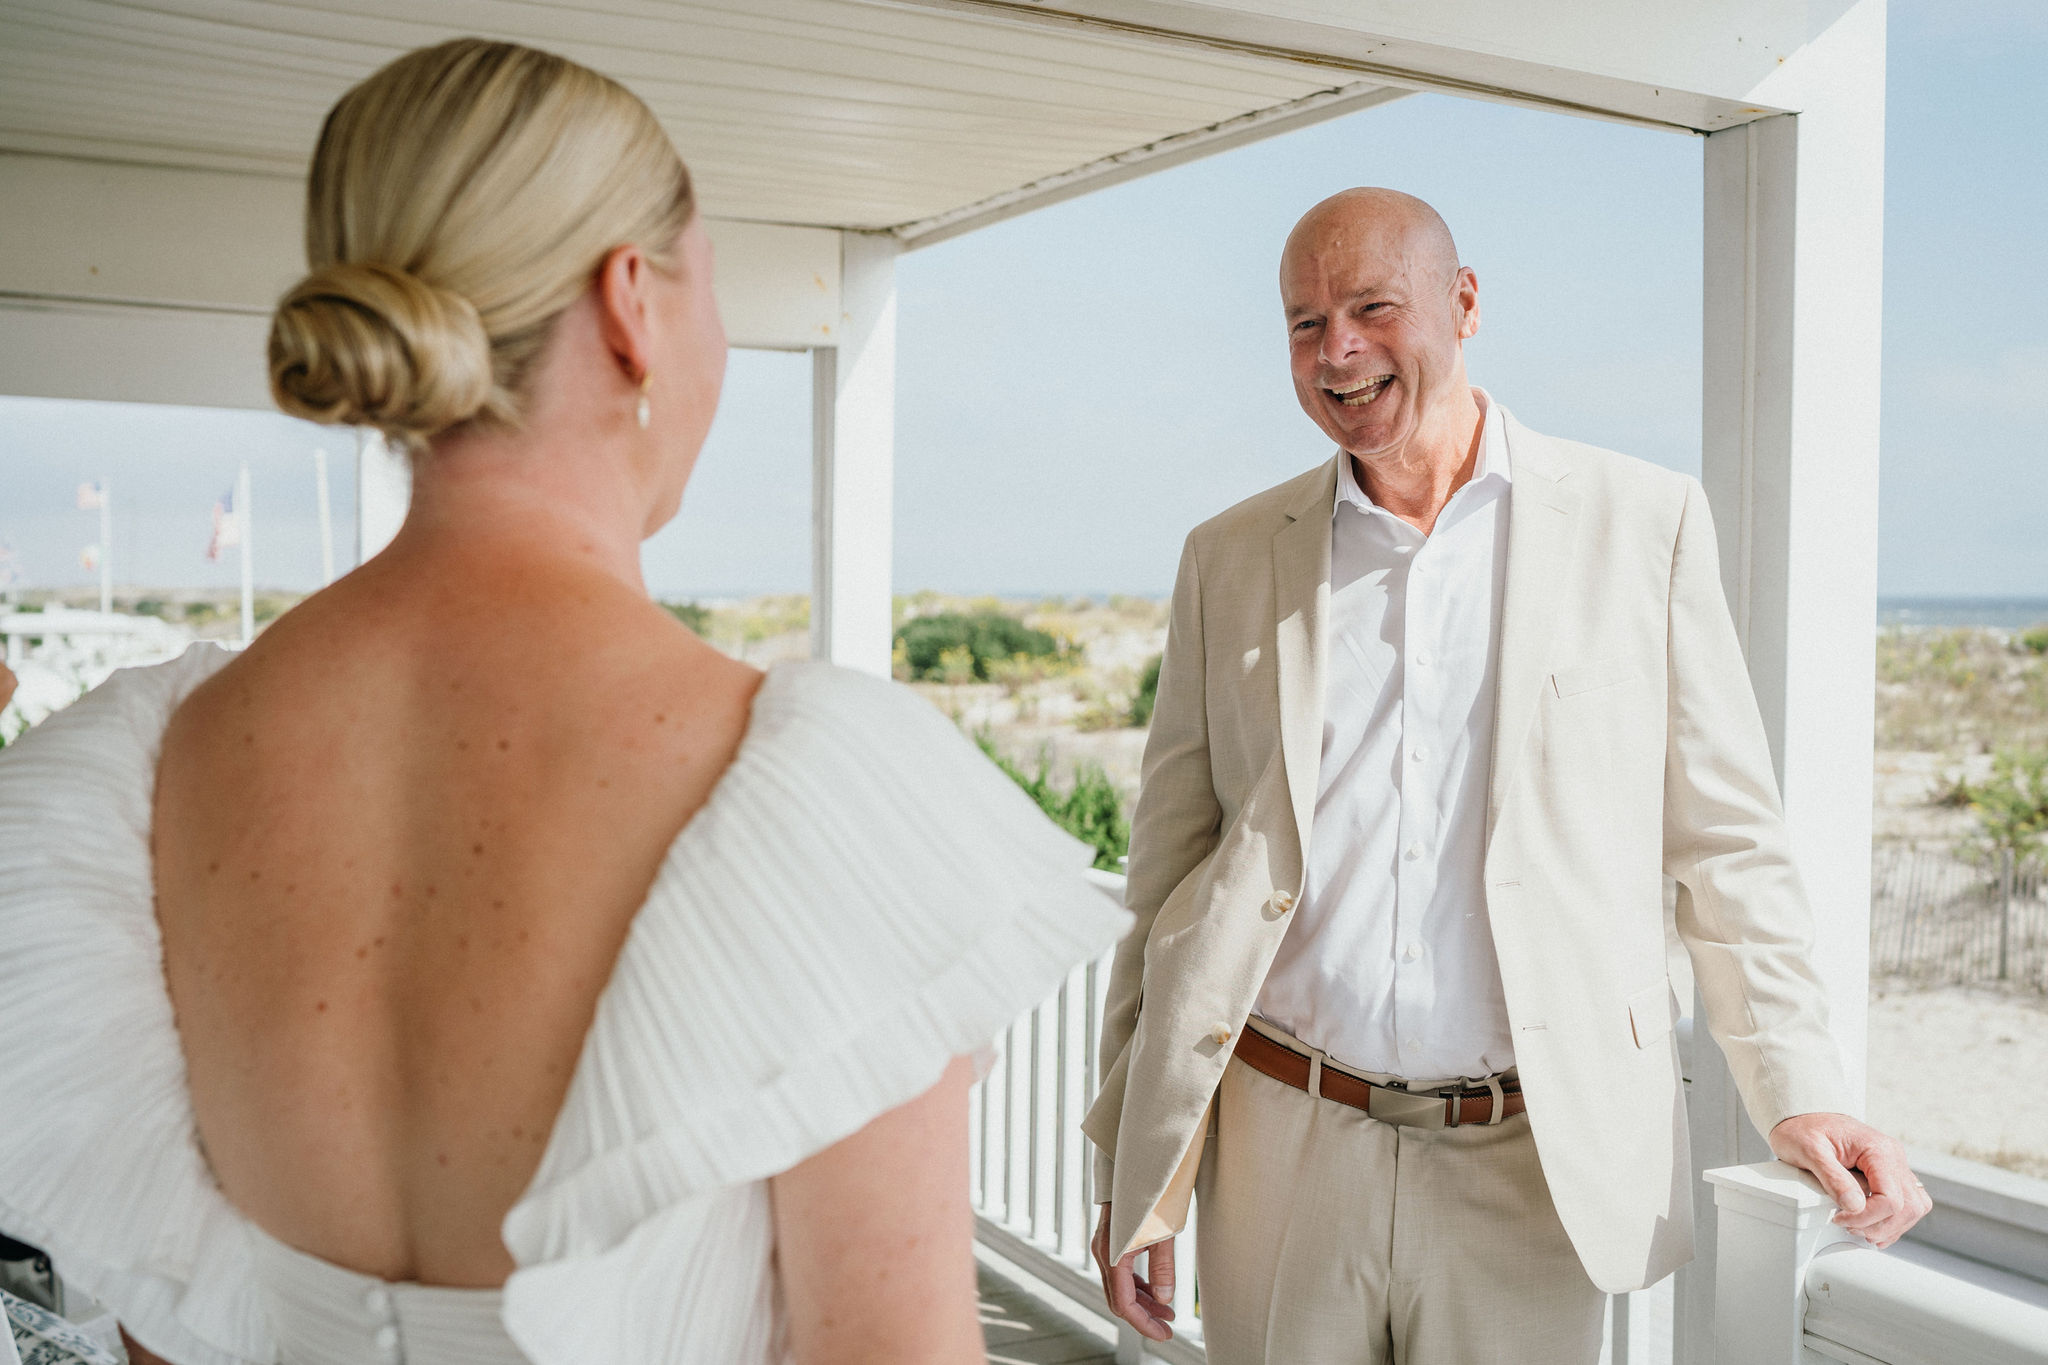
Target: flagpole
{"x":326,"y":518}
{"x":106,"y":545}
{"x":244,"y":523}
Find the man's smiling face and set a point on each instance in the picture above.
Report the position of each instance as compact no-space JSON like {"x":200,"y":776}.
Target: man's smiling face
{"x":1377,"y":306}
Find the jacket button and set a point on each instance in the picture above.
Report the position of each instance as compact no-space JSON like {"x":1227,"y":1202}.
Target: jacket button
{"x":1281,"y":901}
{"x":1220,"y":1034}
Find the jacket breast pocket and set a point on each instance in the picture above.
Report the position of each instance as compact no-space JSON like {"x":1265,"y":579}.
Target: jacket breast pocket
{"x":1570,"y":682}
{"x":1649,"y":1013}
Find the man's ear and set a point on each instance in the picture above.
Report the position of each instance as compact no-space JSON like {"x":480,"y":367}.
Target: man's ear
{"x":1467,"y":294}
{"x":624,"y":309}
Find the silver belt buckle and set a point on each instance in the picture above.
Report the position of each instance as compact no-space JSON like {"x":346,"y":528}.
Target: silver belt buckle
{"x":1408,"y":1110}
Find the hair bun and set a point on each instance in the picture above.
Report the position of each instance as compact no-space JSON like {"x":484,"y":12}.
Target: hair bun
{"x":372,"y":345}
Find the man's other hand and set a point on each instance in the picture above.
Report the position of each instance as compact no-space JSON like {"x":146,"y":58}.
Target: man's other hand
{"x":1145,"y":1304}
{"x":6,"y":685}
{"x":1864,"y":1171}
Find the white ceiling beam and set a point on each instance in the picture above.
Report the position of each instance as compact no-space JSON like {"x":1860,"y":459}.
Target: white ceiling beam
{"x":156,"y":284}
{"x":1612,"y":73}
{"x":1141,"y":161}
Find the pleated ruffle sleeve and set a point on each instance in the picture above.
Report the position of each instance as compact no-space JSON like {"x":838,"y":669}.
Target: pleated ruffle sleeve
{"x":99,"y":1157}
{"x":864,"y":897}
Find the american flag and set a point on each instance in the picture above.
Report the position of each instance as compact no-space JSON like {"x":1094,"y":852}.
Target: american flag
{"x":227,"y":528}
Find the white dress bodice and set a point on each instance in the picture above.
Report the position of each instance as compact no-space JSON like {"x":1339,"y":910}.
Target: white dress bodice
{"x":862,"y":897}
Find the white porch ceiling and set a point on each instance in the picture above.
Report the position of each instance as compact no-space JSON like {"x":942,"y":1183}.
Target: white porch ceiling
{"x":834,"y":113}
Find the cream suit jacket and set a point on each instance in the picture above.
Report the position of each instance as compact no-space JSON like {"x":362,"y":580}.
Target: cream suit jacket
{"x":1627,"y":745}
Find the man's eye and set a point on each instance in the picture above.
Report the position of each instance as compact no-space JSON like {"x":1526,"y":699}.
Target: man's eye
{"x":1305,"y":322}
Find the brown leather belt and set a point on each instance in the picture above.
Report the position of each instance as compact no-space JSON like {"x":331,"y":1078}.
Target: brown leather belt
{"x":1449,"y":1108}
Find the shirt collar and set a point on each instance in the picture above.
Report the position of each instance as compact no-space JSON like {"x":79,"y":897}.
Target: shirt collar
{"x":1493,"y":461}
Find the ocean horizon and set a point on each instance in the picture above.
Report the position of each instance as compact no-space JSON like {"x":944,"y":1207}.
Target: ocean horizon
{"x":1998,"y":613}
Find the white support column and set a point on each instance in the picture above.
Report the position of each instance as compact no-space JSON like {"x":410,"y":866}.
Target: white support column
{"x":853,"y":416}
{"x":1793,"y":278}
{"x":1773,"y":1218}
{"x":383,"y":491}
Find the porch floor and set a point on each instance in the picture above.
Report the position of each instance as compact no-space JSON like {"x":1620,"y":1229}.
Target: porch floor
{"x":1021,"y":1329}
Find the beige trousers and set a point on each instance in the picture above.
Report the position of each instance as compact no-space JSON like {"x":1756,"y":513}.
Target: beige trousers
{"x":1329,"y":1238}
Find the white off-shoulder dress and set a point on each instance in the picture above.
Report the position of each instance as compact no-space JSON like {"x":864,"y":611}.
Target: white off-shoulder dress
{"x":863,"y":897}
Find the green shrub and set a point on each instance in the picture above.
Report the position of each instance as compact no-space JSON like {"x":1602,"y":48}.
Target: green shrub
{"x":1092,"y":811}
{"x":1021,"y":670}
{"x":764,"y":618}
{"x":697,"y":618}
{"x":1147,"y":695}
{"x":1952,"y":791}
{"x":266,"y":607}
{"x":985,"y":635}
{"x":2034,"y":639}
{"x":2012,"y":808}
{"x":956,"y":664}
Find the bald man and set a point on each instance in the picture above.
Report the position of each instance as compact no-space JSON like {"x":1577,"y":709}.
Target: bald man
{"x":1435,"y":720}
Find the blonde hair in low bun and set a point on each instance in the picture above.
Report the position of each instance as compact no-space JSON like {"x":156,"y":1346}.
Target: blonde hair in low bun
{"x":374,"y":346}
{"x":460,"y":199}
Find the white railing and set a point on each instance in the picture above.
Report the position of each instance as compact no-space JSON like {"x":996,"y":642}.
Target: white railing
{"x":1032,"y":1171}
{"x":17,"y":627}
{"x":1790,"y":1288}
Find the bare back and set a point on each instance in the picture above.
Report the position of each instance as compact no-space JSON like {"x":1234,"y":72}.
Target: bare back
{"x":398,"y":846}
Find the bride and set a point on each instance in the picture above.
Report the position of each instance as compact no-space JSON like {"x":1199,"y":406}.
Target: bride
{"x":480,"y":967}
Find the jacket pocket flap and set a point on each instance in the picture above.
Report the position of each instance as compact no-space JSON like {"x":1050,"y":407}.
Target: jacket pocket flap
{"x":1649,"y":1013}
{"x":1569,"y":682}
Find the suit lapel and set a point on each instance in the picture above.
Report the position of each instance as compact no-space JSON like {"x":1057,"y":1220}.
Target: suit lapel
{"x":1543,"y":527}
{"x":1301,"y":602}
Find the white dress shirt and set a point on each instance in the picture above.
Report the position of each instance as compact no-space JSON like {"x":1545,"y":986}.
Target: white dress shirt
{"x":1389,"y":964}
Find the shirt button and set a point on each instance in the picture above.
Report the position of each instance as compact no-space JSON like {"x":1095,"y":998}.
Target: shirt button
{"x":1421,"y":753}
{"x":1413,"y":851}
{"x":1411,"y":952}
{"x":387,"y":1339}
{"x":1422,"y":656}
{"x":377,"y":1300}
{"x":1220,"y":1034}
{"x":1282,"y":901}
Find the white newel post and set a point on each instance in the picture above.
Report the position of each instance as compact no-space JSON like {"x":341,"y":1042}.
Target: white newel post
{"x":853,"y":423}
{"x":383,"y":491}
{"x":1772,"y":1220}
{"x":1793,"y":272}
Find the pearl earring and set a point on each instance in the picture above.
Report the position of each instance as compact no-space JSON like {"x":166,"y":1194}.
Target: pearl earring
{"x":643,"y":413}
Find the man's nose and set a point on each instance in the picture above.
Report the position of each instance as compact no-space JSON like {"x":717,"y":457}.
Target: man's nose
{"x":1341,"y":342}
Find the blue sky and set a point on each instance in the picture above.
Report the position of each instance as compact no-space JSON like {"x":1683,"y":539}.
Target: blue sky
{"x":1079,"y":386}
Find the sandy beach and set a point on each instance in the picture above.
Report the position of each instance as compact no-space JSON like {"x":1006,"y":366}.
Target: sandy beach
{"x":1962,"y":1070}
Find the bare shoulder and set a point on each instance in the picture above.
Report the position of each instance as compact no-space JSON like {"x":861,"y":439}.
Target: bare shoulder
{"x":560,"y":681}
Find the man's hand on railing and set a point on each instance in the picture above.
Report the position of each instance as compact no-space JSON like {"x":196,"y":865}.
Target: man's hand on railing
{"x":1864,"y":1171}
{"x":1145,"y":1304}
{"x":7,"y":684}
